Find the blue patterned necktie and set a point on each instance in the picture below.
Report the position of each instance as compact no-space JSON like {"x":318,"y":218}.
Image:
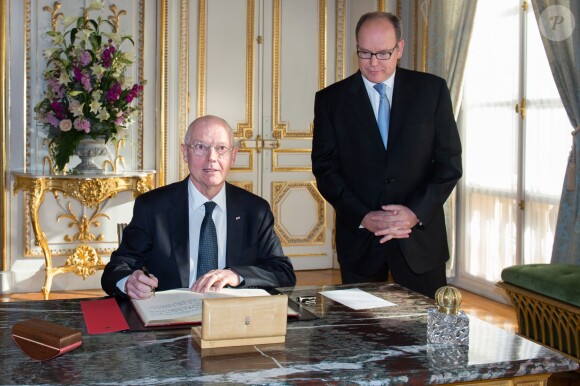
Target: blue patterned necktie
{"x":384,"y":112}
{"x":207,"y":258}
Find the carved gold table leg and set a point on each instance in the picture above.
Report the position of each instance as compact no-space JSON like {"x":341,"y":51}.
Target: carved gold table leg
{"x":47,"y":283}
{"x":35,"y":198}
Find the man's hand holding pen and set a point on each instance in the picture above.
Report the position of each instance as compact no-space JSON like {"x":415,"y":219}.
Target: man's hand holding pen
{"x":141,"y":284}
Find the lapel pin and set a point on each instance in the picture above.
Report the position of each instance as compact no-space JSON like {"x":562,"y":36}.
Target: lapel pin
{"x":238,"y":217}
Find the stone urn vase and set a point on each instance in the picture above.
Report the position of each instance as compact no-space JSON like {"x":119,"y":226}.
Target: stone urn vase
{"x":87,"y":150}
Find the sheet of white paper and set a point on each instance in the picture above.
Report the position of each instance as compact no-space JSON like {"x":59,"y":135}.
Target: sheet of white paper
{"x":357,"y":299}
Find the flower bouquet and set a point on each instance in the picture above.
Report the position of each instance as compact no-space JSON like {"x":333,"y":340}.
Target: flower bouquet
{"x":87,"y":91}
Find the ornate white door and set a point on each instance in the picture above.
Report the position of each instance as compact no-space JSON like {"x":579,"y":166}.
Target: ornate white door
{"x":258,"y":63}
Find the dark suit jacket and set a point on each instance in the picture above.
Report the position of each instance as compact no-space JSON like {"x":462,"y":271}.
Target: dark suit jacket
{"x":419,"y":169}
{"x":158,"y":238}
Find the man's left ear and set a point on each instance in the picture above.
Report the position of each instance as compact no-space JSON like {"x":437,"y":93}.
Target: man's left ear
{"x":233,"y":155}
{"x":401,"y":47}
{"x":184,"y":153}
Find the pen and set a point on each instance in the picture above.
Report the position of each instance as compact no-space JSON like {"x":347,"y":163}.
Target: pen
{"x":306,"y":299}
{"x":146,"y":272}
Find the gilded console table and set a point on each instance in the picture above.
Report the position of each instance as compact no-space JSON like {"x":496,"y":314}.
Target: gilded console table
{"x":90,"y":191}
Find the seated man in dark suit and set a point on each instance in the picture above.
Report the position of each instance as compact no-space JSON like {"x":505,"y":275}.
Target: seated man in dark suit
{"x":201,"y":233}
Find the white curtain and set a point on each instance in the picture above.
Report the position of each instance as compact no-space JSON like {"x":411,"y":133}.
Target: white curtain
{"x":563,"y":50}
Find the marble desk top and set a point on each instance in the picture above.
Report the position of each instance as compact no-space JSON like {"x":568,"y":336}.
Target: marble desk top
{"x":381,"y":346}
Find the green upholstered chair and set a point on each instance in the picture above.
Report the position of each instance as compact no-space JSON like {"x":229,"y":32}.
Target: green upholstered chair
{"x":546,"y":298}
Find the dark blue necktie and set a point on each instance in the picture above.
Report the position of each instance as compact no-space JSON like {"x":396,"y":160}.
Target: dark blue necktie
{"x":207,"y":257}
{"x":384,"y":112}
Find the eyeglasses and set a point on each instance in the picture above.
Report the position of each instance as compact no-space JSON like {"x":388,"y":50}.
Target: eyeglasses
{"x":383,"y":55}
{"x":201,"y":149}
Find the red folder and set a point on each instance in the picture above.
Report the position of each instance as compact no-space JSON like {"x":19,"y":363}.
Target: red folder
{"x":103,"y":316}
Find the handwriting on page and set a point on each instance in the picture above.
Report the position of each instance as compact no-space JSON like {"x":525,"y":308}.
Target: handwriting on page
{"x":177,"y":309}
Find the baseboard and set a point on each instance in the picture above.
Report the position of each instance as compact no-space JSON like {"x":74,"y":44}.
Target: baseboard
{"x":6,"y":282}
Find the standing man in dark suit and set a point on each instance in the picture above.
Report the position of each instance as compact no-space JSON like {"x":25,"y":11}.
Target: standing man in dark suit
{"x":164,"y":233}
{"x":387,"y":186}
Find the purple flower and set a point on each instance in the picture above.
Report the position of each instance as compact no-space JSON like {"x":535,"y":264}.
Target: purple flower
{"x":82,"y":125}
{"x":56,"y":88}
{"x":83,"y":79}
{"x":114,"y":93}
{"x":133,"y":93}
{"x":86,"y":81}
{"x":52,"y":120}
{"x":119,"y":120}
{"x":108,"y":56}
{"x":85,"y":58}
{"x":58,"y":110}
{"x":78,"y":74}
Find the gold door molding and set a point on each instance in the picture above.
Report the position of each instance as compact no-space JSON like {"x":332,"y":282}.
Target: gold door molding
{"x":246,"y":185}
{"x":3,"y":127}
{"x":161,"y":145}
{"x":243,"y":129}
{"x":340,"y":40}
{"x":282,"y":192}
{"x":298,"y":153}
{"x":280,"y":128}
{"x":183,"y":118}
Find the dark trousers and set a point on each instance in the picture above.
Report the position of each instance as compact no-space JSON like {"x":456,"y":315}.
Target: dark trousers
{"x":427,"y":283}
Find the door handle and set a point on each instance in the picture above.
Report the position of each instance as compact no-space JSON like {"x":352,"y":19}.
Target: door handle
{"x":259,"y":143}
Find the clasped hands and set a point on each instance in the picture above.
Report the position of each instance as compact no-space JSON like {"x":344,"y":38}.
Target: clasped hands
{"x":140,"y":286}
{"x":392,"y":222}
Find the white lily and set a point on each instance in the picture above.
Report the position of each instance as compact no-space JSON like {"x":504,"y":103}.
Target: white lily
{"x":57,"y":39}
{"x":95,"y":106}
{"x":76,"y":108}
{"x":115,"y":37}
{"x":96,"y":5}
{"x":97,"y":69}
{"x":83,"y":35}
{"x":64,"y":78}
{"x":97,"y":94}
{"x":103,"y":114}
{"x":49,"y":52}
{"x":67,"y":21}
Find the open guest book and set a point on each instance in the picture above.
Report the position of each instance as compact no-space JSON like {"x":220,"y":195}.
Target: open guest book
{"x":182,"y":306}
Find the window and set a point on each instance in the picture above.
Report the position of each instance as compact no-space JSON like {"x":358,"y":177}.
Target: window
{"x":513,"y":165}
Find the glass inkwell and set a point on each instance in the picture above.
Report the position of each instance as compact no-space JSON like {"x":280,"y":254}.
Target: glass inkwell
{"x":447,"y":324}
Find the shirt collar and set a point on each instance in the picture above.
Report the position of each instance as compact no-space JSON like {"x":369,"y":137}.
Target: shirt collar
{"x":199,"y":199}
{"x":390,"y":82}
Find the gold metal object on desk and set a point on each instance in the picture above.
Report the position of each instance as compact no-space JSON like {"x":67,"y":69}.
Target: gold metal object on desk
{"x":89,"y":191}
{"x":448,"y":300}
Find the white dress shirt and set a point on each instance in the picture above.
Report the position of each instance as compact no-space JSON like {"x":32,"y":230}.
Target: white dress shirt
{"x":374,"y":96}
{"x":196,"y":202}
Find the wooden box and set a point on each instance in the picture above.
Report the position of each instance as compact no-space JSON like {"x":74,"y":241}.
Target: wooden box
{"x":42,"y":340}
{"x":241,"y":321}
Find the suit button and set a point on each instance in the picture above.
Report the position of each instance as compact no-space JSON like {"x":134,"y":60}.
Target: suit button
{"x":389,"y":180}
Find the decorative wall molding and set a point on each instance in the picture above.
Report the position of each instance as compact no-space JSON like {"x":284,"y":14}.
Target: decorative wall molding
{"x":161,"y":146}
{"x":281,"y":194}
{"x":340,"y":40}
{"x":3,"y":129}
{"x":280,"y":128}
